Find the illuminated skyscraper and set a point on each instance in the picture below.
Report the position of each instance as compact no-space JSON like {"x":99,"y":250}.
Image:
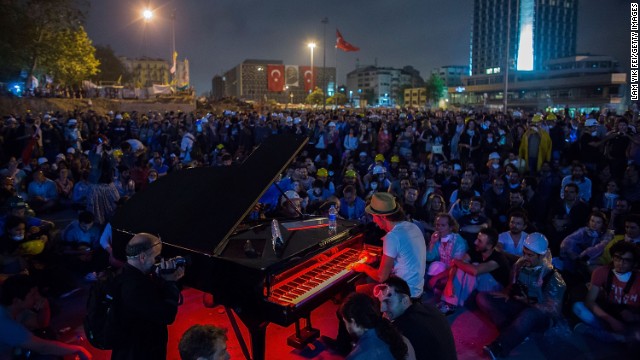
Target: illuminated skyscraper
{"x":539,"y":30}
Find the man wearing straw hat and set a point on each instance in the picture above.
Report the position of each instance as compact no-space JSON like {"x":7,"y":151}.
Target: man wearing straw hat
{"x":403,"y":250}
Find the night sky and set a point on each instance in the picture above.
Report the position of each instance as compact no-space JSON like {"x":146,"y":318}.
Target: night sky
{"x":216,"y":35}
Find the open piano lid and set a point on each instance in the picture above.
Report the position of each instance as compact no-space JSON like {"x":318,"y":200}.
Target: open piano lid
{"x":198,"y":209}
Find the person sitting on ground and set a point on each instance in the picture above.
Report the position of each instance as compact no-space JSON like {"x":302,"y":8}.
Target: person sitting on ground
{"x":376,"y":337}
{"x":512,"y":241}
{"x":20,"y":294}
{"x":484,"y":269}
{"x":18,"y":207}
{"x":474,"y":221}
{"x":445,"y":244}
{"x":42,"y":192}
{"x":81,"y":245}
{"x":631,"y":234}
{"x":530,"y":303}
{"x":201,"y":342}
{"x":583,"y":247}
{"x":352,"y":207}
{"x":423,"y":325}
{"x":611,"y":310}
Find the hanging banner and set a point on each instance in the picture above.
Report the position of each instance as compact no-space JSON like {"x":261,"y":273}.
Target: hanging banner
{"x":275,"y":78}
{"x":309,"y":77}
{"x":291,"y":75}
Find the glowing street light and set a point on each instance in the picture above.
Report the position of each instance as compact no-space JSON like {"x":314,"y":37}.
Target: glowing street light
{"x":311,"y":47}
{"x":147,"y":14}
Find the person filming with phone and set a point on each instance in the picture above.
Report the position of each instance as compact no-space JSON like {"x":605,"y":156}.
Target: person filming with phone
{"x":147,"y":300}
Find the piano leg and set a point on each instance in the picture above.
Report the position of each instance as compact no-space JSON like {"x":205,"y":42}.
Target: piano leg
{"x":257,"y":334}
{"x":303,"y":336}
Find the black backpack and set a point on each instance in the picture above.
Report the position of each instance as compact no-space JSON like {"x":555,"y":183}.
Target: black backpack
{"x":100,"y":322}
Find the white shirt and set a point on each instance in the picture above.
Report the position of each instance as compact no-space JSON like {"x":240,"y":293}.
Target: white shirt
{"x":406,"y":245}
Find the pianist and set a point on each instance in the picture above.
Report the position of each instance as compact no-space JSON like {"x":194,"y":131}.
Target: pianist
{"x":403,"y":247}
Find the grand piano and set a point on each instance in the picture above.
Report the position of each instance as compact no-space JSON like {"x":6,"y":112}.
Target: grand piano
{"x":198,"y":213}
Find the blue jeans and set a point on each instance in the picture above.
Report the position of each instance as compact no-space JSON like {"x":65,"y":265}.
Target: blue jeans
{"x":514,"y":319}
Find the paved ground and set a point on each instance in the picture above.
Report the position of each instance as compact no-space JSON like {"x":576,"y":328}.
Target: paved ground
{"x":470,"y":329}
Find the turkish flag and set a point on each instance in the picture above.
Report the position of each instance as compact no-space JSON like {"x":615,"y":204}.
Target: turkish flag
{"x":309,"y":77}
{"x":275,"y":78}
{"x":342,"y":44}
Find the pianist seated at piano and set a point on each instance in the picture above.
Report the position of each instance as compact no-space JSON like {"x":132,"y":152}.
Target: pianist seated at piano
{"x":403,"y":247}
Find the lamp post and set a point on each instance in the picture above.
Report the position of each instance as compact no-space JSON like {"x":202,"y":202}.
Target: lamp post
{"x":311,"y":47}
{"x":147,"y":15}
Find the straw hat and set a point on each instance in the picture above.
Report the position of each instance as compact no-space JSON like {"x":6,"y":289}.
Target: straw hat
{"x":382,"y":203}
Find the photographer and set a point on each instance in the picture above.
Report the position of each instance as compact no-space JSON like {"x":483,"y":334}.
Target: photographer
{"x":147,"y":300}
{"x":532,"y":301}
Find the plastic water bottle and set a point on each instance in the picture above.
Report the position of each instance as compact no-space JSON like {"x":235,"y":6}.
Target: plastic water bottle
{"x":333,"y":223}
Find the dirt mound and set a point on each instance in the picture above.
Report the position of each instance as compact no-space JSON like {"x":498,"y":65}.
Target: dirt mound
{"x":101,"y":106}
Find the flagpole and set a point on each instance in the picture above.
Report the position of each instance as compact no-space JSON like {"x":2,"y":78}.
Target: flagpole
{"x":324,"y":21}
{"x":335,"y":82}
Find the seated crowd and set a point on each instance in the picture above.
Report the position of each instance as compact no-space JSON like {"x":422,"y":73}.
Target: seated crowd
{"x":526,"y":218}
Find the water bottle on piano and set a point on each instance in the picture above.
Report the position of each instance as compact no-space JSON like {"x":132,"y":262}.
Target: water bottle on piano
{"x":333,"y":222}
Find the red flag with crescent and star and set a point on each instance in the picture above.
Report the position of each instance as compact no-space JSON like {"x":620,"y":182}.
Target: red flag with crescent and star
{"x":275,"y":78}
{"x":342,"y":44}
{"x":308,"y":77}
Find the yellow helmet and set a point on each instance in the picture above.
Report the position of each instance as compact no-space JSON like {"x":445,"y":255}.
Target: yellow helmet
{"x":350,"y":174}
{"x":322,"y":172}
{"x":117,"y":152}
{"x":551,"y":117}
{"x":536,"y":118}
{"x":31,"y":247}
{"x":395,"y":158}
{"x":379,"y":157}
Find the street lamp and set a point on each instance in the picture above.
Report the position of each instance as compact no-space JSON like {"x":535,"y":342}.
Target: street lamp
{"x":311,"y":47}
{"x":147,"y":14}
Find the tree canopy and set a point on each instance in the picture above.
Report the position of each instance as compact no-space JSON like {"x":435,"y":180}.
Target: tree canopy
{"x":111,"y":68}
{"x":39,"y":35}
{"x":316,"y":97}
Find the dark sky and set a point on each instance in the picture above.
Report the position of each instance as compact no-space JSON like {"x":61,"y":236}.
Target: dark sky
{"x":216,"y":35}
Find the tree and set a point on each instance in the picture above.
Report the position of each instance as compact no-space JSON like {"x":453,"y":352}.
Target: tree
{"x":315,"y":98}
{"x":435,"y":88}
{"x":74,"y":59}
{"x":29,"y":29}
{"x":111,"y":68}
{"x":338,"y":97}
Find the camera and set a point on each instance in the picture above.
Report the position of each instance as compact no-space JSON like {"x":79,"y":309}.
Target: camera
{"x":178,"y":260}
{"x":519,"y":289}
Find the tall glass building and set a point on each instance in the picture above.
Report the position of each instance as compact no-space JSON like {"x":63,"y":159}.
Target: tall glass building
{"x":539,"y":30}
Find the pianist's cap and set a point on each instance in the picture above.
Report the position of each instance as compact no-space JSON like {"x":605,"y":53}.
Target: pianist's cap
{"x":382,"y":203}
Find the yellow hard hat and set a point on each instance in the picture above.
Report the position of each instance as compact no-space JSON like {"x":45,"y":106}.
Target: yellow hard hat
{"x":379,"y":157}
{"x":395,"y":158}
{"x":117,"y":152}
{"x":536,"y":118}
{"x":551,"y":117}
{"x":350,"y":173}
{"x":31,"y":247}
{"x":322,"y":172}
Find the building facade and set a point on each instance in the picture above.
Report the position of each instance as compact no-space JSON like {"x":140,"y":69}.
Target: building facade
{"x":147,"y":71}
{"x":249,"y":81}
{"x":415,"y":97}
{"x":582,"y":82}
{"x":381,"y":86}
{"x":538,"y":30}
{"x":451,"y":75}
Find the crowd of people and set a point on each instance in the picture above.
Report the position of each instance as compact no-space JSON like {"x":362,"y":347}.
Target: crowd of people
{"x":526,"y":208}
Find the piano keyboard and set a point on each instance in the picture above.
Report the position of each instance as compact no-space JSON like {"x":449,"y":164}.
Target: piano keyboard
{"x":296,"y":289}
